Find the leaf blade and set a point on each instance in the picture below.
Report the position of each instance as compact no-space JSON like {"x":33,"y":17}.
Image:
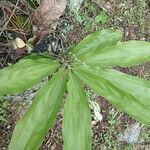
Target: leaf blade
{"x":122,"y":54}
{"x":96,"y":42}
{"x":26,"y":73}
{"x":126,"y":100}
{"x":77,"y":118}
{"x":33,"y":126}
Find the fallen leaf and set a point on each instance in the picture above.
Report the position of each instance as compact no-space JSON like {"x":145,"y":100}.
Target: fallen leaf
{"x":48,"y":12}
{"x":18,"y":43}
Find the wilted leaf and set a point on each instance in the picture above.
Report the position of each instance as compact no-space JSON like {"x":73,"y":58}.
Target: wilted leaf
{"x":26,"y":73}
{"x":123,"y":91}
{"x":48,"y":12}
{"x":77,"y":118}
{"x":18,"y":43}
{"x":32,"y":127}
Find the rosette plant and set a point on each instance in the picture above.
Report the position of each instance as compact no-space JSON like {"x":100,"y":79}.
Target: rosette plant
{"x":90,"y":62}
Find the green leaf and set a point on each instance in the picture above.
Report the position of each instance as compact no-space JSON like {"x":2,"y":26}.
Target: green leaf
{"x":129,"y":94}
{"x":96,"y":42}
{"x":77,"y":118}
{"x":32,"y":127}
{"x":101,"y":18}
{"x":123,"y":54}
{"x":26,"y":73}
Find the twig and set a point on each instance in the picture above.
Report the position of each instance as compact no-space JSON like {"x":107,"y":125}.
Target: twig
{"x":5,"y":25}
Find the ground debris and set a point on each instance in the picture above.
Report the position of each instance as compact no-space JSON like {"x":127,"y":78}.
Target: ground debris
{"x":75,"y":5}
{"x":48,"y":12}
{"x":131,"y":135}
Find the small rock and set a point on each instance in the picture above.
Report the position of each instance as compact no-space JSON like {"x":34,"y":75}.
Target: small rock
{"x":28,"y":94}
{"x":75,"y":5}
{"x":131,"y":135}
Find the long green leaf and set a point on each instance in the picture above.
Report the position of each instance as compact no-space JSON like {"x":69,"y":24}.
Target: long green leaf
{"x":122,"y":54}
{"x":26,"y":73}
{"x":96,"y":42}
{"x":128,"y":83}
{"x":129,"y":94}
{"x":32,"y":127}
{"x":77,"y":118}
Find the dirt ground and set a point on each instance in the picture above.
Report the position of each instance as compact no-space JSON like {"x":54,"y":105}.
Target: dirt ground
{"x":132,"y":17}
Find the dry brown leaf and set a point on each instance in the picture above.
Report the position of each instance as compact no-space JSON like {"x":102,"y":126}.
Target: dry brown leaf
{"x":48,"y":12}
